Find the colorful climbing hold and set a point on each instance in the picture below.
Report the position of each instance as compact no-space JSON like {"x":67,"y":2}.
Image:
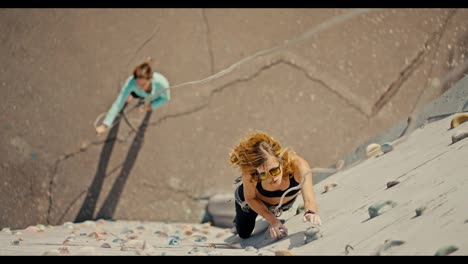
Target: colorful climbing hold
{"x":446,"y":250}
{"x":373,"y":150}
{"x":311,"y":234}
{"x":174,"y":241}
{"x":420,"y":210}
{"x":390,"y":184}
{"x":386,"y":147}
{"x":329,"y":186}
{"x":380,"y":207}
{"x":458,"y":119}
{"x":459,"y":135}
{"x":387,"y":245}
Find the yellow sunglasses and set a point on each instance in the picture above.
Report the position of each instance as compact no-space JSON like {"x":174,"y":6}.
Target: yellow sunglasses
{"x":273,"y":172}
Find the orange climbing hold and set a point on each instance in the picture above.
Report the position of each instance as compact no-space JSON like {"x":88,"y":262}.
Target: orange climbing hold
{"x":459,"y":119}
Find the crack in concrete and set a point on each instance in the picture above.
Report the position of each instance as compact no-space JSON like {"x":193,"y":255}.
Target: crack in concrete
{"x":86,"y":191}
{"x":55,"y":170}
{"x":187,"y":193}
{"x":395,"y":86}
{"x":447,"y":212}
{"x":49,"y":192}
{"x":221,"y":88}
{"x":384,"y":227}
{"x":208,"y":40}
{"x":306,"y":73}
{"x":73,"y":154}
{"x":70,"y":205}
{"x":31,"y":186}
{"x":216,"y":90}
{"x":188,"y":112}
{"x":331,"y":22}
{"x":449,"y":17}
{"x":143,"y":44}
{"x":422,"y":164}
{"x":413,"y":113}
{"x":256,"y":74}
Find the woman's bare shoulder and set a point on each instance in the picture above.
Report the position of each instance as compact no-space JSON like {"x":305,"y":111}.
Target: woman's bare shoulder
{"x":247,"y":179}
{"x":298,"y":161}
{"x":249,"y":186}
{"x":299,"y":166}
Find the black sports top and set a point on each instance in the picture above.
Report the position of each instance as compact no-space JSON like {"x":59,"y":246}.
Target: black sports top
{"x":292,"y":183}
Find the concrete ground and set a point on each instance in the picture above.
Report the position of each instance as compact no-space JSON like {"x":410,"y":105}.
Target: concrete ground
{"x":323,"y":81}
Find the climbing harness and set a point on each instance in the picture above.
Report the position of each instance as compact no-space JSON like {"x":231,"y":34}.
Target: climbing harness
{"x":276,"y":210}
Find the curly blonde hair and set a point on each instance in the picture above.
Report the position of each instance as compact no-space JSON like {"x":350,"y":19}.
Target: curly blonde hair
{"x":255,"y":149}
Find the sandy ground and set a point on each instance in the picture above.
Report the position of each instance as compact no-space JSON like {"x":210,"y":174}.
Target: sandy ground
{"x":331,"y":79}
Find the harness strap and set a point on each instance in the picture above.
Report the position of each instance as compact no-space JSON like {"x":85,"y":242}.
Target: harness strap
{"x":243,"y":204}
{"x":272,"y":208}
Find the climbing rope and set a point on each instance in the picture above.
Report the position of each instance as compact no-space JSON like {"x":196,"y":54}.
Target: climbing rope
{"x":123,"y":114}
{"x":335,"y":20}
{"x":278,"y":210}
{"x":302,"y":37}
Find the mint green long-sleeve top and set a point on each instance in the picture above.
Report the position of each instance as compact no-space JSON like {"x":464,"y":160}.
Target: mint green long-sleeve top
{"x":159,"y":95}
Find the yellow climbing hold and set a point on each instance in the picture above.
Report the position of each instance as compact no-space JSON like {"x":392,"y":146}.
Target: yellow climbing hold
{"x":373,"y":150}
{"x":459,"y":119}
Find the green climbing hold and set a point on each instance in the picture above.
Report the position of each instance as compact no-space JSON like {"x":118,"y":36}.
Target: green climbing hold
{"x":380,"y":207}
{"x":446,"y":250}
{"x":386,"y":147}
